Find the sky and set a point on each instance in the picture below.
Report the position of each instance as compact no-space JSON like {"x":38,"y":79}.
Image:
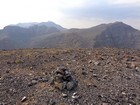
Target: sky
{"x":70,"y":13}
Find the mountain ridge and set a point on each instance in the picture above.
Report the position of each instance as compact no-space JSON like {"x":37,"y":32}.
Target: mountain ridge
{"x":117,"y":34}
{"x":48,"y":24}
{"x":22,"y":36}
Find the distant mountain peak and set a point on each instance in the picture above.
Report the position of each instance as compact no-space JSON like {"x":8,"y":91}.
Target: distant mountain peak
{"x":51,"y":24}
{"x":119,"y":23}
{"x":48,"y":24}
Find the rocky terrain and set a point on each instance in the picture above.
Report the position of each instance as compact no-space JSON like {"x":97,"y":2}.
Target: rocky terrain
{"x":70,"y":77}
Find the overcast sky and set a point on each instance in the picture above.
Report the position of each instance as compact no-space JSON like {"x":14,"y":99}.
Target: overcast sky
{"x":70,"y":13}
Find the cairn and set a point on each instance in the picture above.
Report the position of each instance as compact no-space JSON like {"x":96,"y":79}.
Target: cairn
{"x":63,"y":80}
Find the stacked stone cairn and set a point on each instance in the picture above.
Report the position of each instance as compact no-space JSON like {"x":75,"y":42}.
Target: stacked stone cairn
{"x":63,"y":80}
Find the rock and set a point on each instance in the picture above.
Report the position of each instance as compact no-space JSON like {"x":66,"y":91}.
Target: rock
{"x":71,"y":85}
{"x":51,"y":81}
{"x":84,"y":73}
{"x":31,"y":67}
{"x":91,"y":70}
{"x":96,"y":63}
{"x":75,"y":95}
{"x":64,"y":95}
{"x":33,"y":82}
{"x":12,"y":90}
{"x":23,"y":99}
{"x":128,"y":78}
{"x":60,"y":86}
{"x":105,"y":77}
{"x":52,"y":102}
{"x":105,"y":103}
{"x":67,"y":76}
{"x":95,"y":75}
{"x":58,"y":78}
{"x":137,"y":69}
{"x":61,"y":70}
{"x":44,"y":80}
{"x":7,"y":71}
{"x":18,"y":61}
{"x":90,"y":61}
{"x":131,"y":59}
{"x":131,"y":65}
{"x":123,"y":93}
{"x":9,"y":62}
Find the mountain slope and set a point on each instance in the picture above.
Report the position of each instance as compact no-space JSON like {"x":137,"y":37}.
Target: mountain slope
{"x":22,"y":36}
{"x":115,"y":34}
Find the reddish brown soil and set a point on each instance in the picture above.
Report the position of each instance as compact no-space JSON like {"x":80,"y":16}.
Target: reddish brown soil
{"x":105,"y":76}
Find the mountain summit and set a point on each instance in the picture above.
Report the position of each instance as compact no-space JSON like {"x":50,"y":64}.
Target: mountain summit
{"x":48,"y":24}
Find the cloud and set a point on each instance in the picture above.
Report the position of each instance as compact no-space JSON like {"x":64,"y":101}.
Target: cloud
{"x":70,"y":13}
{"x":136,"y":2}
{"x":133,"y":22}
{"x":93,"y":12}
{"x":103,"y":10}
